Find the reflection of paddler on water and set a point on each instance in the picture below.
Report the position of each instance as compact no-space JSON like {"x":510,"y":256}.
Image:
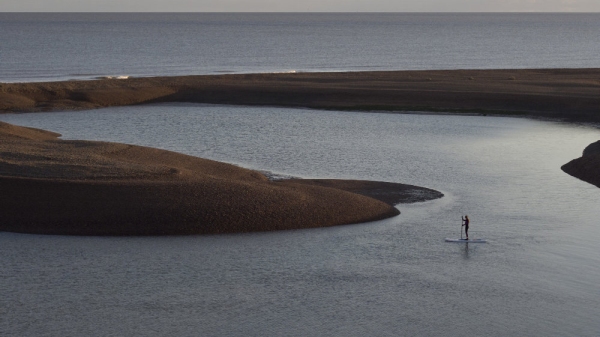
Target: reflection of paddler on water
{"x":465,"y":220}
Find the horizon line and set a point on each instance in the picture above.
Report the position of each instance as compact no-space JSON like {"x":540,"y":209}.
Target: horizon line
{"x":308,"y":12}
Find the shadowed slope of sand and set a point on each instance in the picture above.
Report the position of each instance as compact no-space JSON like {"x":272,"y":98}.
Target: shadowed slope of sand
{"x":54,"y":186}
{"x":557,"y":93}
{"x":587,"y":167}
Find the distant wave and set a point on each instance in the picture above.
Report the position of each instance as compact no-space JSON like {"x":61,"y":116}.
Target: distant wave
{"x":254,"y":72}
{"x":277,"y":176}
{"x":120,"y":77}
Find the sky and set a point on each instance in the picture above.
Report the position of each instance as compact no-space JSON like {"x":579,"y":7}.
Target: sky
{"x":299,"y":5}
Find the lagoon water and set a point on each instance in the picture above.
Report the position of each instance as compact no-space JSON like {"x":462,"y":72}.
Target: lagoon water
{"x":59,"y":46}
{"x":537,"y":275}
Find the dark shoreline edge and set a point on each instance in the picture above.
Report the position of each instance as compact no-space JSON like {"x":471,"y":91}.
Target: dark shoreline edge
{"x":388,"y":192}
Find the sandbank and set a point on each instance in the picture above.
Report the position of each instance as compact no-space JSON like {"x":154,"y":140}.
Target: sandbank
{"x":572,"y":94}
{"x":587,"y":167}
{"x":53,"y":186}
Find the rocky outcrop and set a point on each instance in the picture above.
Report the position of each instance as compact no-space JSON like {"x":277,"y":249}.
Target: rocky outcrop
{"x":587,"y":167}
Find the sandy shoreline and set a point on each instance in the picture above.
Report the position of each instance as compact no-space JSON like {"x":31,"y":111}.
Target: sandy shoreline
{"x":572,"y":94}
{"x":52,"y":186}
{"x":96,"y":188}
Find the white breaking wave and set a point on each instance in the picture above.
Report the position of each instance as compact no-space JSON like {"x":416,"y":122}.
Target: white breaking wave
{"x":284,"y":72}
{"x":120,"y":77}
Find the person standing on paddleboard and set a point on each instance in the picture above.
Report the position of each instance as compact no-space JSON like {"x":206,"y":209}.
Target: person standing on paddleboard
{"x":465,"y":220}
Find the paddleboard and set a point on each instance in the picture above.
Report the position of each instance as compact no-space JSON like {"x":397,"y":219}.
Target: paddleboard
{"x":466,"y":241}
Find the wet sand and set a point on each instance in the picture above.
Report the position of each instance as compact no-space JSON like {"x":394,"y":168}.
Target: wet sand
{"x":53,"y":186}
{"x":572,"y":94}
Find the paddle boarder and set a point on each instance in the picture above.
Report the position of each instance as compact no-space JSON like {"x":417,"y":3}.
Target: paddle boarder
{"x":465,"y":220}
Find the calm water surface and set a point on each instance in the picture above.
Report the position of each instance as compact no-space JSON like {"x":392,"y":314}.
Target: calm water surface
{"x":537,"y":276}
{"x":58,"y":46}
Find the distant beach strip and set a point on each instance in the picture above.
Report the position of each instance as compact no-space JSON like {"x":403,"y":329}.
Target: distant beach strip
{"x":569,"y":94}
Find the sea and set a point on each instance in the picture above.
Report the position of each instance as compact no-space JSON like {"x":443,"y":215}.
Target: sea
{"x":61,"y":46}
{"x":537,"y":275}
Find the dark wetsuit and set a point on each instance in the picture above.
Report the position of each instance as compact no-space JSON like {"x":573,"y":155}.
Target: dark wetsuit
{"x":466,"y":220}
